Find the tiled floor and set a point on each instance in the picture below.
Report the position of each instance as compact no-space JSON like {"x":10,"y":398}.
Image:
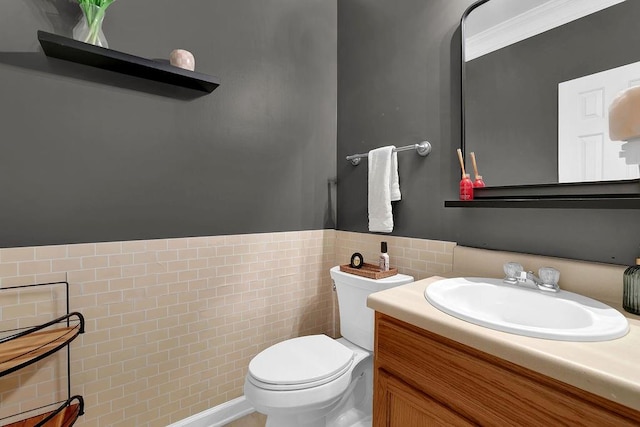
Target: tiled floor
{"x":252,"y":420}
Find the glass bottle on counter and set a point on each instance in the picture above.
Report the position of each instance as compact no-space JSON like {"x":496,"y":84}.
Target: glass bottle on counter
{"x":631,"y":290}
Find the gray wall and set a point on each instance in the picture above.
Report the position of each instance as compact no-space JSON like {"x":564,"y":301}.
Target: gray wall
{"x":397,"y":85}
{"x":88,"y":155}
{"x":399,"y":68}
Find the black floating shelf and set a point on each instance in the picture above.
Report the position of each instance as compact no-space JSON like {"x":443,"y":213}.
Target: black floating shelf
{"x":568,"y":190}
{"x":83,"y":53}
{"x":550,"y":203}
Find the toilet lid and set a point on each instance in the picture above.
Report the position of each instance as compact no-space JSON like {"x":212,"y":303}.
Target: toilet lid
{"x":300,"y":362}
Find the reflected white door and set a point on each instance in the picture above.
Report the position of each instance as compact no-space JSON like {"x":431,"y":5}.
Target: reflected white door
{"x":585,"y":152}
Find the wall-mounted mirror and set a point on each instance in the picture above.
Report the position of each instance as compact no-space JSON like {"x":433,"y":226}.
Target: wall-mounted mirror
{"x":522,"y":60}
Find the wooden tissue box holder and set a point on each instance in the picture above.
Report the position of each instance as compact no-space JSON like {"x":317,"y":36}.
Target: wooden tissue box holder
{"x":371,"y":271}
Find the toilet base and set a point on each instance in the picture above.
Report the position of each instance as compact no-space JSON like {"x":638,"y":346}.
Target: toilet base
{"x":278,"y":421}
{"x":352,"y":418}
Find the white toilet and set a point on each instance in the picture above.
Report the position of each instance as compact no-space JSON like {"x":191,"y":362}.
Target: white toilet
{"x":316,"y":381}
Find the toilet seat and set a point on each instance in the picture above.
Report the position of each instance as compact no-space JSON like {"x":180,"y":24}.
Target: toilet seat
{"x":300,"y":363}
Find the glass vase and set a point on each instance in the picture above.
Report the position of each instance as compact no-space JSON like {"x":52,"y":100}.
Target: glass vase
{"x":89,"y":29}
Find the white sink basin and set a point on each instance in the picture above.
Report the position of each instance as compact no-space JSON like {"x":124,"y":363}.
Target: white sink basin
{"x":509,"y":308}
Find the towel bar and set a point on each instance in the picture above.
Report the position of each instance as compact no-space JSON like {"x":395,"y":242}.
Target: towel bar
{"x":424,"y":148}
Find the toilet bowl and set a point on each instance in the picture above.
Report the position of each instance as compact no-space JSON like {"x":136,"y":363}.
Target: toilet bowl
{"x":317,"y":381}
{"x":322,"y":371}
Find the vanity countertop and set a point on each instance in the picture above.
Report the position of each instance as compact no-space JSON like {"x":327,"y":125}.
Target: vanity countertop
{"x":610,"y":369}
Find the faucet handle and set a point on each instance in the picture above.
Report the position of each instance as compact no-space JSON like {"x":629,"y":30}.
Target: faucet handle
{"x":549,"y":276}
{"x":512,"y":269}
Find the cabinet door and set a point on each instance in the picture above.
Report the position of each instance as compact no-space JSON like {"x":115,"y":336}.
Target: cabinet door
{"x":400,"y":405}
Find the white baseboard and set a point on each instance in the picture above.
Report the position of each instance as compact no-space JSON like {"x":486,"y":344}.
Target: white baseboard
{"x":218,"y":416}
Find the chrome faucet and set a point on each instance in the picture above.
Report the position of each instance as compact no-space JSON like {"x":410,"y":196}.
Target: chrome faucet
{"x":548,"y":280}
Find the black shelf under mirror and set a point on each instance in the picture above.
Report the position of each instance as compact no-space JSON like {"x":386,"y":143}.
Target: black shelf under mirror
{"x":559,"y":203}
{"x":68,"y":49}
{"x":577,"y":195}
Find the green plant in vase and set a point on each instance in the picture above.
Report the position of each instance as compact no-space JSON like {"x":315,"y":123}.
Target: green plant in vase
{"x":89,"y":29}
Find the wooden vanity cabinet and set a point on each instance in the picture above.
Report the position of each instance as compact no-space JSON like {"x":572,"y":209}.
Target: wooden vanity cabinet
{"x":423,"y":379}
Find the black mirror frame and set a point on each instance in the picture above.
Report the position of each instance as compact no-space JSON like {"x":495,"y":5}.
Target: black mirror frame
{"x":603,"y":191}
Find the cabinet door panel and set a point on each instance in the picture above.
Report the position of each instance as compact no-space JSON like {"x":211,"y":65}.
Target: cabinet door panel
{"x":404,"y":406}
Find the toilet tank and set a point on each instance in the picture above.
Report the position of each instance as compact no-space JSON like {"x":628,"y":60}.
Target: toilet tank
{"x":356,"y":319}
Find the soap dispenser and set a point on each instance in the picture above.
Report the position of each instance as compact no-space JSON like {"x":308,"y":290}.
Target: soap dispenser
{"x":631,"y":290}
{"x":384,"y":257}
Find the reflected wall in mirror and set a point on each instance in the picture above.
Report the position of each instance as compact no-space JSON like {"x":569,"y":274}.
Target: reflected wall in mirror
{"x":517,"y":54}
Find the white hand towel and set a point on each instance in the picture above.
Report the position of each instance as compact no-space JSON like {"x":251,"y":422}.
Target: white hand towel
{"x":394,"y":184}
{"x":383,"y":188}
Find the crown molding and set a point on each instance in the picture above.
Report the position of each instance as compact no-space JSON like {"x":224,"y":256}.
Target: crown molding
{"x":534,"y":21}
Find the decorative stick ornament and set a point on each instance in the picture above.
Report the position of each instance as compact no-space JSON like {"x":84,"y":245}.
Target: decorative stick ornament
{"x":461,"y":162}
